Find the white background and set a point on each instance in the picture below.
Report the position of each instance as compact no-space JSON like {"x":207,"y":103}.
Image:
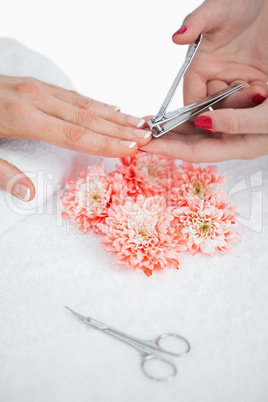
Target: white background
{"x":116,"y":51}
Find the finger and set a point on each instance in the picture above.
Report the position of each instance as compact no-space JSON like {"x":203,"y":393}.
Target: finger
{"x":187,"y":134}
{"x":15,"y":181}
{"x":235,"y":121}
{"x":207,"y":150}
{"x":103,"y":112}
{"x":245,"y":98}
{"x":59,"y":106}
{"x":71,"y":136}
{"x":215,"y":86}
{"x":68,"y":113}
{"x":261,"y":94}
{"x":194,"y":87}
{"x":259,"y":83}
{"x":205,"y":18}
{"x":73,"y":97}
{"x":147,"y":117}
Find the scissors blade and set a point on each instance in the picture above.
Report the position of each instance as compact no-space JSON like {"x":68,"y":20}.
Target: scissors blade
{"x":178,"y":78}
{"x":88,"y":320}
{"x":81,"y":317}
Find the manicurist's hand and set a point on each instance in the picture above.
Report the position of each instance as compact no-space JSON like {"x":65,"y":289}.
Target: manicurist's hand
{"x":236,"y":141}
{"x":234,"y":49}
{"x":31,"y":109}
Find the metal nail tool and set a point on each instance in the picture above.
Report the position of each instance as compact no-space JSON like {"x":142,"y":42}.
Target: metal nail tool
{"x":164,"y":122}
{"x":148,"y":349}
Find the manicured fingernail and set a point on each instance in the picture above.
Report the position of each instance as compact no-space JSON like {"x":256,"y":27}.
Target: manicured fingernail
{"x":180,"y":31}
{"x":135,"y":121}
{"x":142,"y":133}
{"x":203,"y":122}
{"x":113,"y":107}
{"x":21,"y":191}
{"x":258,"y":98}
{"x":128,"y":144}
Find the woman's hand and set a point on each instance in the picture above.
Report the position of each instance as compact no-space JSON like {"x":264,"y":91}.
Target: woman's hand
{"x":234,"y":48}
{"x":193,"y":144}
{"x":32,"y":109}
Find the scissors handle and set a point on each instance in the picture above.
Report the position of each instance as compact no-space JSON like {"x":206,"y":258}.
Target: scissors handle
{"x":146,"y":358}
{"x":146,"y":355}
{"x":156,"y":344}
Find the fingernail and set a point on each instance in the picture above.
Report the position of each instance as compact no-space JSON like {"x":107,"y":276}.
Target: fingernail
{"x":128,"y":144}
{"x":143,"y":151}
{"x":203,"y":122}
{"x":142,"y":133}
{"x":258,"y":98}
{"x":135,"y":121}
{"x":113,"y":107}
{"x":21,"y":191}
{"x":212,"y":132}
{"x":180,"y":31}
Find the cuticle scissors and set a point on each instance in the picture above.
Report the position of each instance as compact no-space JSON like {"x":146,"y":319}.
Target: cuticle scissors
{"x":163,"y":122}
{"x":144,"y":347}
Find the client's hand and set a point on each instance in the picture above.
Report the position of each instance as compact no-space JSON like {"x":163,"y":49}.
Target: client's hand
{"x":31,"y":109}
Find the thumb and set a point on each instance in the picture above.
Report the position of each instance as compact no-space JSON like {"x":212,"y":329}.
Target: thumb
{"x":203,"y":19}
{"x":235,"y":121}
{"x":15,"y":181}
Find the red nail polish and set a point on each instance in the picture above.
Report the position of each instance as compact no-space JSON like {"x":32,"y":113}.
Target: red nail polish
{"x":258,"y":98}
{"x":212,"y":132}
{"x":180,"y":31}
{"x":203,"y":122}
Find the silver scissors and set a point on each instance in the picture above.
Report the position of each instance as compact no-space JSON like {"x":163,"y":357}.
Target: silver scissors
{"x":146,"y":348}
{"x":164,"y":122}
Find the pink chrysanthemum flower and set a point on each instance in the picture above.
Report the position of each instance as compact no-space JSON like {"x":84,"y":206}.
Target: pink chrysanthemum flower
{"x":89,"y":197}
{"x":131,"y":208}
{"x":193,"y":180}
{"x":147,"y":174}
{"x":138,"y":232}
{"x":120,"y":189}
{"x":208,"y":226}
